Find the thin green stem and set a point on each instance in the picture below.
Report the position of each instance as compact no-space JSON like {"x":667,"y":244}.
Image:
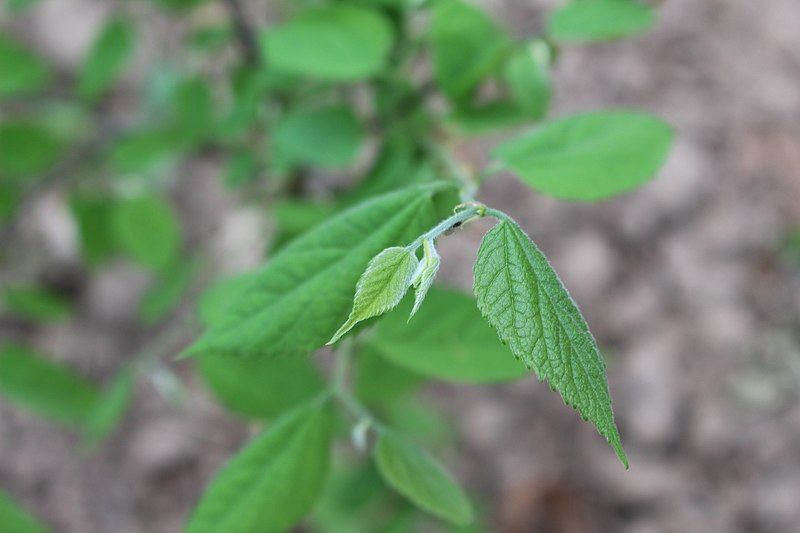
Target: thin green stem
{"x":470,"y":211}
{"x":342,"y":393}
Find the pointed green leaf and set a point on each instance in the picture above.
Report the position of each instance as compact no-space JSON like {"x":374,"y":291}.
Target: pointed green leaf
{"x":49,"y":388}
{"x":301,"y":296}
{"x":521,"y":296}
{"x":599,"y":20}
{"x":381,"y":287}
{"x":590,"y":156}
{"x":425,"y":274}
{"x":467,"y":46}
{"x":421,"y":479}
{"x":274,"y":481}
{"x":336,"y":43}
{"x":15,"y":519}
{"x":107,"y":57}
{"x":448,"y":339}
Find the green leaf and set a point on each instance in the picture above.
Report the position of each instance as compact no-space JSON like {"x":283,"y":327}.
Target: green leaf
{"x":380,"y":381}
{"x":21,"y":71}
{"x":295,"y":217}
{"x":110,"y":52}
{"x":166,"y":294}
{"x":274,"y":481}
{"x":111,"y":406}
{"x":144,"y":151}
{"x":35,"y":304}
{"x":467,"y":47}
{"x":448,"y":339}
{"x":489,"y":117}
{"x":590,"y":156}
{"x":93,"y":214}
{"x":193,"y":110}
{"x":260,"y":388}
{"x":381,"y":287}
{"x":300,"y":297}
{"x":27,"y":149}
{"x":15,"y":519}
{"x":425,"y":274}
{"x":527,"y":74}
{"x":598,"y":20}
{"x":521,"y":296}
{"x":48,"y":388}
{"x":329,"y":136}
{"x":337,"y":43}
{"x":421,"y":479}
{"x":148,"y":230}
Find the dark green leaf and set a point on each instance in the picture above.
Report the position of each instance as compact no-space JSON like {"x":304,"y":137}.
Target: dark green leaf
{"x":467,"y":46}
{"x":590,"y":156}
{"x":274,"y":481}
{"x":107,"y":57}
{"x":27,"y":149}
{"x":21,"y":71}
{"x":338,"y":43}
{"x":148,"y":230}
{"x":15,"y":519}
{"x":522,"y":298}
{"x":301,"y":296}
{"x":447,"y":339}
{"x":421,"y":479}
{"x":329,"y":136}
{"x":597,"y":20}
{"x":35,"y":304}
{"x":48,"y":388}
{"x":93,"y":215}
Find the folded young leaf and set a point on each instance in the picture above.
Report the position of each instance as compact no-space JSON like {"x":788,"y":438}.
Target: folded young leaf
{"x":381,"y":287}
{"x":589,"y":156}
{"x":421,"y":479}
{"x":425,"y":274}
{"x":447,"y":339}
{"x":297,"y":301}
{"x":522,"y":298}
{"x":274,"y":481}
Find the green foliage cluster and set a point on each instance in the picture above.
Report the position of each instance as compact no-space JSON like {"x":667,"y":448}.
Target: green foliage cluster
{"x":306,"y":96}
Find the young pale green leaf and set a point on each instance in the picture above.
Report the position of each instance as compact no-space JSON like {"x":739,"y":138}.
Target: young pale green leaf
{"x":15,"y":519}
{"x":467,"y":46}
{"x":381,"y":287}
{"x":448,"y":339}
{"x":107,"y":57}
{"x":111,"y":406}
{"x":274,"y":481}
{"x":48,"y":388}
{"x":35,"y":304}
{"x":589,"y":156}
{"x":599,"y":20}
{"x":420,"y":478}
{"x":297,"y":301}
{"x":521,"y":296}
{"x":21,"y":71}
{"x":337,"y":43}
{"x":329,"y":136}
{"x":527,"y":74}
{"x":147,"y":229}
{"x":27,"y":149}
{"x":425,"y":274}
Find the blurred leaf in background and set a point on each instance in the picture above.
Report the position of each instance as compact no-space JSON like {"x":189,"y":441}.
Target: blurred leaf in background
{"x":328,"y":137}
{"x":27,"y":149}
{"x":107,"y":57}
{"x":148,"y":230}
{"x":21,"y":71}
{"x":48,"y":388}
{"x":597,"y":20}
{"x":15,"y":519}
{"x":34,"y":303}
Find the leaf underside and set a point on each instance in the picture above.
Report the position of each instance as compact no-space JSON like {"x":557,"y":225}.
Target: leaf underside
{"x":522,"y":298}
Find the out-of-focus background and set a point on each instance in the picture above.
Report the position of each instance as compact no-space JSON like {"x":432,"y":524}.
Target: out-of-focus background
{"x":691,"y":284}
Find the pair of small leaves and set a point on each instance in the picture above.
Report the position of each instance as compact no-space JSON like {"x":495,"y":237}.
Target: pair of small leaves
{"x":386,"y":280}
